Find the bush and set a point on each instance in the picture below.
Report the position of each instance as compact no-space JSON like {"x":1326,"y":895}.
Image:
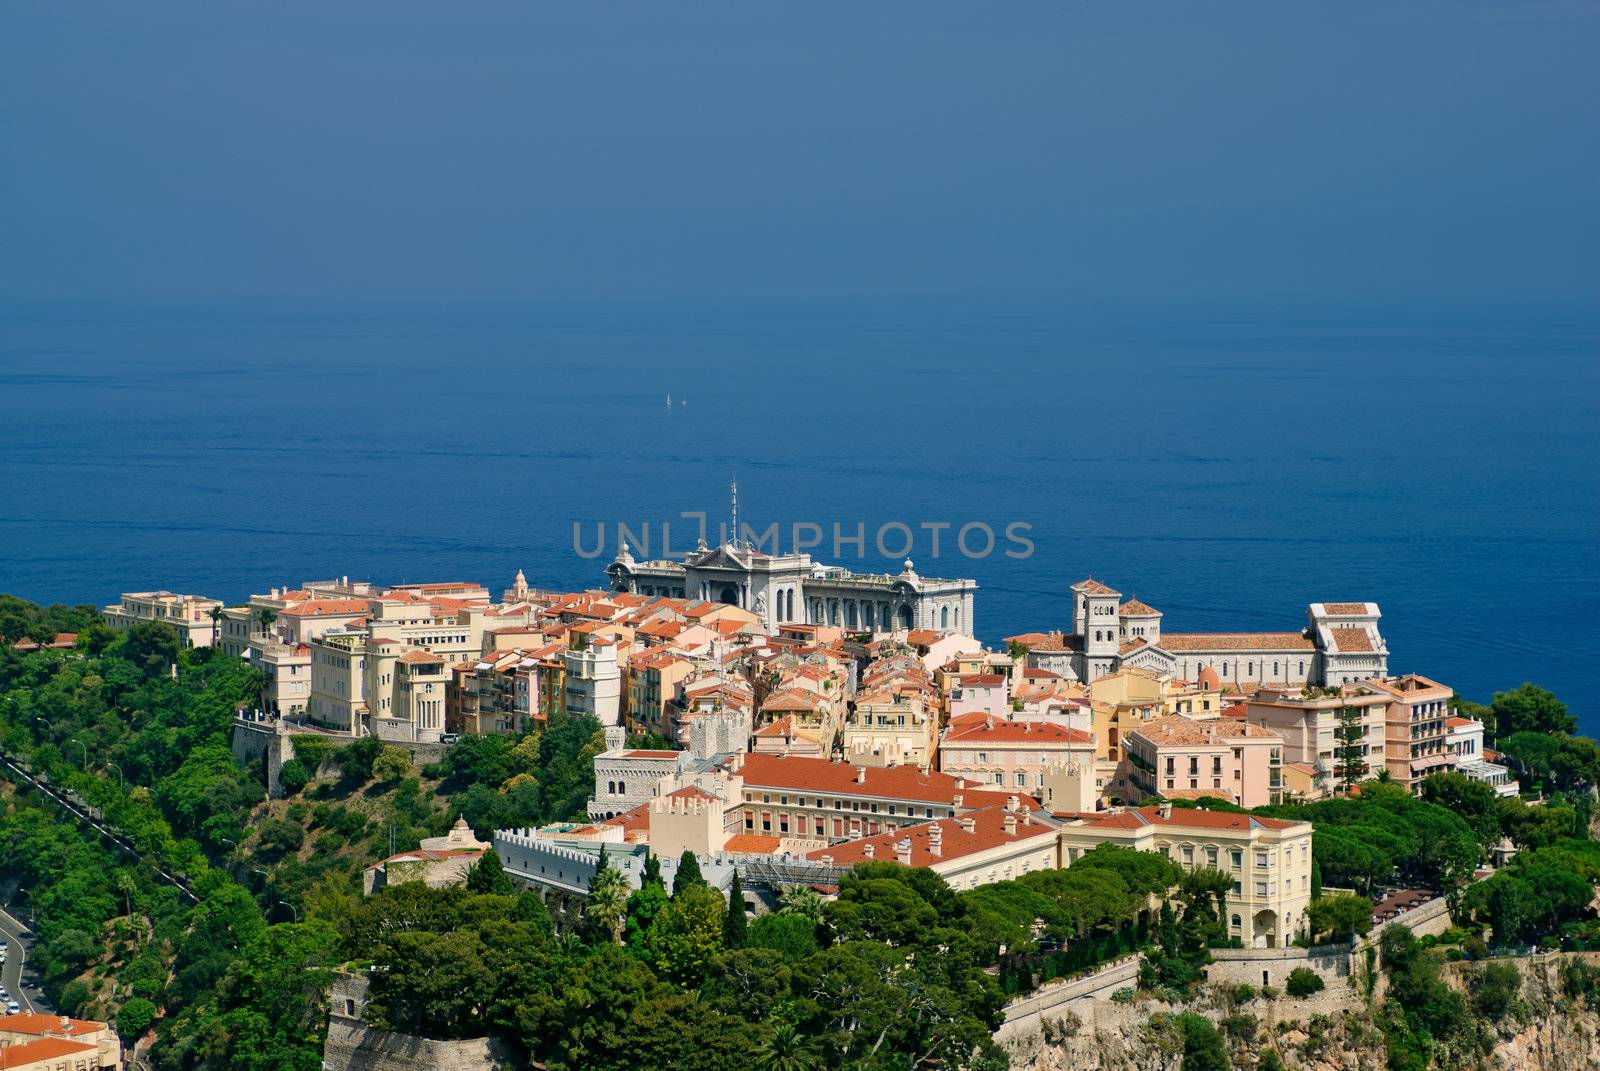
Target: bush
{"x":392,"y":764}
{"x":1269,"y":992}
{"x":1123,"y":996}
{"x":1244,"y":994}
{"x":1241,"y":1026}
{"x":1303,"y":981}
{"x":135,"y":1018}
{"x":293,"y":776}
{"x":1495,"y":989}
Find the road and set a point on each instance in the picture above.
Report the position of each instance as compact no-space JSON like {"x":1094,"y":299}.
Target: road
{"x":16,"y":935}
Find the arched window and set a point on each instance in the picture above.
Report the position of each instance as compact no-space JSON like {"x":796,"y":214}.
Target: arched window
{"x":1238,"y":923}
{"x":944,"y":617}
{"x":611,"y":788}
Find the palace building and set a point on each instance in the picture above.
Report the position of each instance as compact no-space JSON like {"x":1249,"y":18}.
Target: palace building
{"x":791,"y":588}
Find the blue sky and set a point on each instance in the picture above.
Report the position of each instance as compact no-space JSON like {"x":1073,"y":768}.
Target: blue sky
{"x":512,"y":150}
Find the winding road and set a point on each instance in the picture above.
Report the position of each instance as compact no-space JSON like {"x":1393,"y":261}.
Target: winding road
{"x":17,"y":936}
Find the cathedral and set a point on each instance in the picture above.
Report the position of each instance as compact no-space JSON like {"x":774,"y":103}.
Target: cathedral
{"x":1341,"y":644}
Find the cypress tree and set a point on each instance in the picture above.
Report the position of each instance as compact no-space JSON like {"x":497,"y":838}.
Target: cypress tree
{"x":734,"y":924}
{"x":652,"y":871}
{"x":488,"y":876}
{"x":688,"y":873}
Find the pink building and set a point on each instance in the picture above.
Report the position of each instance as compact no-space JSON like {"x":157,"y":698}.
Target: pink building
{"x":981,"y":693}
{"x":1178,"y":757}
{"x":1000,"y":752}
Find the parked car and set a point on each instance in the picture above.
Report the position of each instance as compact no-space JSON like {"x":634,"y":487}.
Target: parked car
{"x":449,"y":738}
{"x":12,"y":1007}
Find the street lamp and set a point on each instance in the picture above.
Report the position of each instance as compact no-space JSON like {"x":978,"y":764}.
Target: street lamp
{"x":120,"y":786}
{"x":85,"y":747}
{"x":291,"y":907}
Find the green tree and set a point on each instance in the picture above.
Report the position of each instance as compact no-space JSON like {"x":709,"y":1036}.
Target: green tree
{"x":1303,"y":981}
{"x":1202,"y":1045}
{"x":605,"y":908}
{"x":802,"y":900}
{"x":489,"y":876}
{"x":786,"y":1049}
{"x":1342,"y":915}
{"x":792,"y":936}
{"x":736,"y":924}
{"x":135,"y":1017}
{"x":1529,"y":708}
{"x":688,"y":873}
{"x":688,"y":935}
{"x":391,"y":765}
{"x":1350,"y":734}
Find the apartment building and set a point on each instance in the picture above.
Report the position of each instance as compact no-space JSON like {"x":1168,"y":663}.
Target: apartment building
{"x":1268,"y":858}
{"x":839,"y":801}
{"x":1181,"y":758}
{"x":33,"y":1042}
{"x":593,"y":681}
{"x":189,"y":614}
{"x":980,"y":847}
{"x":1416,"y":729}
{"x":1309,"y":721}
{"x":1004,"y":753}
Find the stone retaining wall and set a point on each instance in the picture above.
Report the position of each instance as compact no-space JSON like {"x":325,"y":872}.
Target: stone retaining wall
{"x":354,"y":1046}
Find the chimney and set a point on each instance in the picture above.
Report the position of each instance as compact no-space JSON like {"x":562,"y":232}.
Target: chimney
{"x":968,"y":825}
{"x":826,"y":860}
{"x":861,"y":775}
{"x":1012,"y":803}
{"x":869,"y":850}
{"x":1164,"y":809}
{"x":1010,"y":824}
{"x":1027,"y":818}
{"x":902,"y":852}
{"x":955,"y":801}
{"x":935,"y":839}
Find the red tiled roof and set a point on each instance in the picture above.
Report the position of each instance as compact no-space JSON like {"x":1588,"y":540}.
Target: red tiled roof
{"x":649,"y":754}
{"x":41,"y":1050}
{"x":1135,"y":608}
{"x":982,"y":680}
{"x":1345,"y":609}
{"x":1351,"y":639}
{"x":419,"y":657}
{"x":955,"y":842}
{"x":1236,"y":641}
{"x":1091,"y":586}
{"x":33,"y":1023}
{"x":984,"y":728}
{"x":751,"y":844}
{"x":882,"y":782}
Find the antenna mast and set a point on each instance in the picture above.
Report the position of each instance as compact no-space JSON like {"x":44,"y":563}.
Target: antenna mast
{"x":733,"y":540}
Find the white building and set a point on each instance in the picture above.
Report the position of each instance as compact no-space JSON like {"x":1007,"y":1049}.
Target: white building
{"x":189,"y":614}
{"x":594,"y":682}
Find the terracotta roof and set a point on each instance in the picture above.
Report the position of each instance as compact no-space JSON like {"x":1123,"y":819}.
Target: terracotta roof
{"x":1034,"y":674}
{"x":1047,"y":641}
{"x":1236,"y":641}
{"x":751,"y":844}
{"x":41,"y":1050}
{"x":792,"y":699}
{"x":1345,"y":609}
{"x":1461,"y":723}
{"x":1177,"y":730}
{"x":882,"y":782}
{"x":1135,"y":608}
{"x":690,"y":792}
{"x":325,"y":608}
{"x":1183,"y":817}
{"x":1131,"y":646}
{"x":33,"y":1023}
{"x":1091,"y":586}
{"x":983,"y":728}
{"x":419,"y":657}
{"x":989,"y":831}
{"x":649,"y":754}
{"x":1351,"y":639}
{"x":982,"y":680}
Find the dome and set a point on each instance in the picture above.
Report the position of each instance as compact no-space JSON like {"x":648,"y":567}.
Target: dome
{"x":1209,"y":678}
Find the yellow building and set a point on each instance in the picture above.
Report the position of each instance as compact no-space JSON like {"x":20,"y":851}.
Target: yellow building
{"x":1269,"y":859}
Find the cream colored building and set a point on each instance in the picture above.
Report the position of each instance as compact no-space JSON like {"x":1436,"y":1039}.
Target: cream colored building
{"x":33,"y":1042}
{"x":1003,"y":753}
{"x":189,"y":614}
{"x":1269,"y":860}
{"x":1416,"y":726}
{"x":996,"y":843}
{"x":1309,"y":720}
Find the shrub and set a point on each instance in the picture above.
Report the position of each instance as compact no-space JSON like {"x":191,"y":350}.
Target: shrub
{"x":392,"y":764}
{"x":1303,"y":981}
{"x":1244,"y":994}
{"x":1241,"y":1026}
{"x":1123,"y":996}
{"x":135,"y":1018}
{"x":1495,"y":989}
{"x":293,"y":776}
{"x":1269,"y":992}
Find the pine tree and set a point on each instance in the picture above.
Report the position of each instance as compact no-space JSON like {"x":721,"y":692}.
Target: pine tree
{"x":488,"y":876}
{"x":652,"y":871}
{"x":734,"y":924}
{"x":688,"y":873}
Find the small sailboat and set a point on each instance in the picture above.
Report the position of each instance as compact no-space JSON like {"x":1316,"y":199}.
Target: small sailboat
{"x":669,"y":400}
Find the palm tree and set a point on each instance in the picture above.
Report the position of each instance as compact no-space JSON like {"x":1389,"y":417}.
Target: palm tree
{"x":215,"y":613}
{"x":801,"y":900}
{"x":786,"y":1050}
{"x":606,"y":907}
{"x":265,"y":616}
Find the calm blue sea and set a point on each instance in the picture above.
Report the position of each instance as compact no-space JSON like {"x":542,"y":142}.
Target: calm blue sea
{"x":1226,"y":465}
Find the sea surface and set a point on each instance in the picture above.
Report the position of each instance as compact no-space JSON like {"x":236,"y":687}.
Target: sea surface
{"x":1227,"y":465}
